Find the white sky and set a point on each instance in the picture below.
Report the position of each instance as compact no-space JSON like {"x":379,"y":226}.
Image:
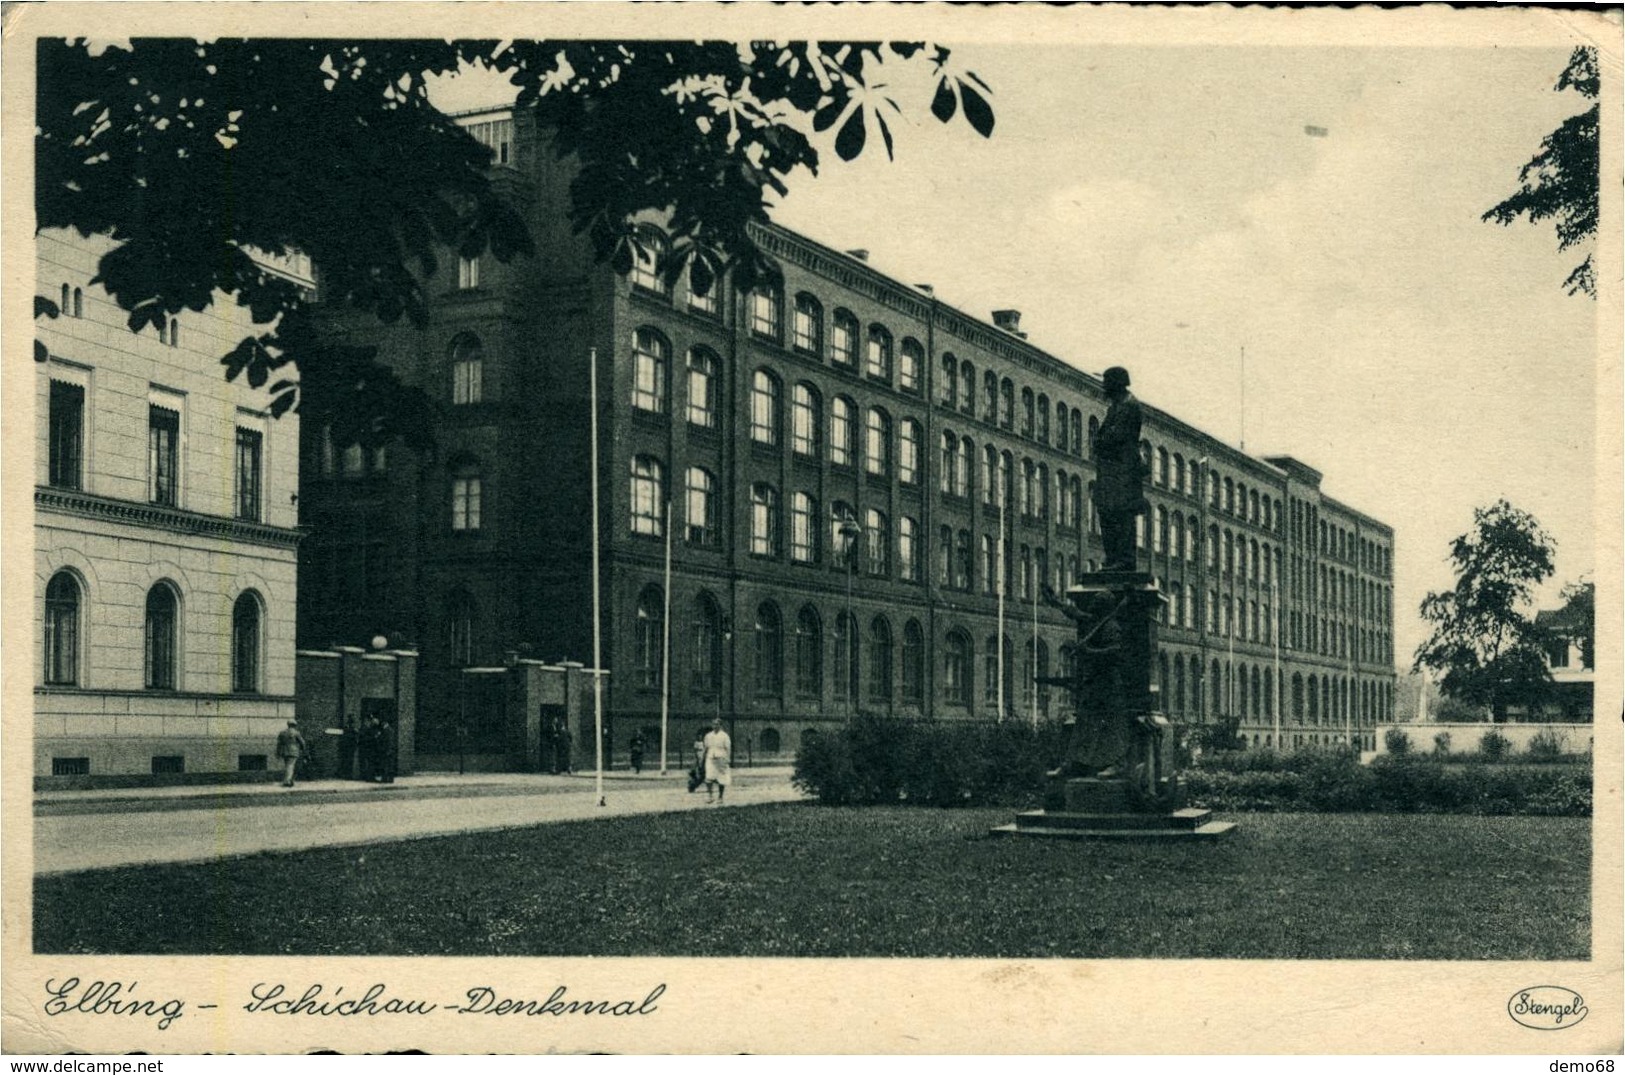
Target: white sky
{"x":1161,"y":208}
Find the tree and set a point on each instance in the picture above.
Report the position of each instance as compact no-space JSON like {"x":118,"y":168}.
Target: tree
{"x":1488,"y":651}
{"x":191,"y":153}
{"x":1577,"y":619}
{"x":1561,"y":180}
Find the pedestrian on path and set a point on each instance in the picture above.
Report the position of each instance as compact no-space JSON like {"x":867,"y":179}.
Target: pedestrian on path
{"x":635,"y":752}
{"x":290,"y":747}
{"x":718,"y":749}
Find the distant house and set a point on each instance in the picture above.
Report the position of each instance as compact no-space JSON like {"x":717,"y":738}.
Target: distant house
{"x":1570,"y":657}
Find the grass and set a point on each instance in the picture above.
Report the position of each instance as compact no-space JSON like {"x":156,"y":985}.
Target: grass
{"x":804,"y":880}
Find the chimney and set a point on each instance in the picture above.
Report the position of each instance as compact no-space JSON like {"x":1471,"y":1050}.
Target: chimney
{"x":1009,"y":320}
{"x":927,"y":288}
{"x":861,"y":255}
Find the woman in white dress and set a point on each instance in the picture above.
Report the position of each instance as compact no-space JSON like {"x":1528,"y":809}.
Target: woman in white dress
{"x":718,"y":756}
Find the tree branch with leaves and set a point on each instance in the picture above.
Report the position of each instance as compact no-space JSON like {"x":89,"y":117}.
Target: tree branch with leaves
{"x":191,"y":154}
{"x":1561,"y":183}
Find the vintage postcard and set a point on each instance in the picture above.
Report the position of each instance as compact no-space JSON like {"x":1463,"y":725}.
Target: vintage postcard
{"x":876,"y":528}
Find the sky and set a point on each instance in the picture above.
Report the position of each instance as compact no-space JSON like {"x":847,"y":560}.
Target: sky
{"x":1163,"y":208}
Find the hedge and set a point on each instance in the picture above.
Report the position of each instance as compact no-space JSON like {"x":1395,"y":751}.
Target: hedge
{"x":876,"y":760}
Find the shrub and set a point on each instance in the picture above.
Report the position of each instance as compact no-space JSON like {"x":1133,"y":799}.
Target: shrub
{"x":1397,"y":742}
{"x":1441,"y":744}
{"x":1545,"y":746}
{"x":1493,"y":745}
{"x":1397,"y":784}
{"x":927,"y":763}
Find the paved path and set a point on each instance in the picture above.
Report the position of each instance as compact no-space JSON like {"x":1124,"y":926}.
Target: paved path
{"x":98,"y":829}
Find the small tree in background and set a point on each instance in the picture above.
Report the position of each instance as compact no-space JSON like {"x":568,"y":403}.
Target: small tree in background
{"x":1486,"y":648}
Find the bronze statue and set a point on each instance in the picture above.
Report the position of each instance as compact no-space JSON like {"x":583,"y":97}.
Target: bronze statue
{"x":1120,"y":472}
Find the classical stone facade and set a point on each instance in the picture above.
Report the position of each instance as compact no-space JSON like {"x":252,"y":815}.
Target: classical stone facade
{"x":845,"y":406}
{"x":165,"y":541}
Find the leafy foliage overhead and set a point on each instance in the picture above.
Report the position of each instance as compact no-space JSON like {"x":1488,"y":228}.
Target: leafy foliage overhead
{"x":1561,"y":181}
{"x":1488,"y":650}
{"x":189,"y":154}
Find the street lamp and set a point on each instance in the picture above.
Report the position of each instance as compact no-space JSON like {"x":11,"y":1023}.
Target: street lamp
{"x":849,"y":532}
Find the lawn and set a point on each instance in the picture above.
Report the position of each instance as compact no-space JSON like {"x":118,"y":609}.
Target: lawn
{"x":805,"y":880}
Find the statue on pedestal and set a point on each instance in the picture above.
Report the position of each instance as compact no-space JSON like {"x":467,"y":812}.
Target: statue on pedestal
{"x":1119,"y":472}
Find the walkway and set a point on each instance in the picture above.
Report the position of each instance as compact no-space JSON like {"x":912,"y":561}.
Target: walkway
{"x":83,"y":830}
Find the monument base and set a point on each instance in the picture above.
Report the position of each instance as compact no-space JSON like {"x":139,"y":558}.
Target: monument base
{"x":1108,"y":808}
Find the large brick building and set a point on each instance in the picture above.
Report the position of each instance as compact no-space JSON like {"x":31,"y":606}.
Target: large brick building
{"x":837,"y":456}
{"x":164,"y":534}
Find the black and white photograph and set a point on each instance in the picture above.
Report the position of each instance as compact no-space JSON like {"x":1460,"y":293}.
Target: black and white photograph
{"x":872,"y":528}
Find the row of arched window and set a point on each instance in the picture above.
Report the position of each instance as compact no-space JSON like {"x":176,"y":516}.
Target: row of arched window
{"x":858,"y":663}
{"x":161,"y":636}
{"x":1250,"y":691}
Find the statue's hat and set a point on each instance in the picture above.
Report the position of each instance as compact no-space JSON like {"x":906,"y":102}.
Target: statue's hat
{"x":1116,"y":377}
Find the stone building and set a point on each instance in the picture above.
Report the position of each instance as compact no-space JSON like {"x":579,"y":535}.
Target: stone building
{"x":835,"y":461}
{"x":165,"y":540}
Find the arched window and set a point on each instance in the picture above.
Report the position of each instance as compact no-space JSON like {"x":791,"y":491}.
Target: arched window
{"x":1179,"y":474}
{"x":63,"y":305}
{"x":245,"y":643}
{"x":461,"y":620}
{"x":913,"y":663}
{"x":908,"y":452}
{"x":162,"y":628}
{"x":1159,"y":534}
{"x":911,"y":361}
{"x":990,"y":467}
{"x":1041,"y":493}
{"x":706,"y":669}
{"x":62,"y":627}
{"x":702,"y":388}
{"x":908,"y":553}
{"x":879,"y":354}
{"x":804,"y":525}
{"x":843,"y":339}
{"x":78,"y":303}
{"x":840,"y":432}
{"x":1007,"y":403}
{"x":956,"y":669}
{"x":701,"y":513}
{"x":945,"y":472}
{"x":804,"y":423}
{"x":1094,"y":430}
{"x":650,"y":353}
{"x":1043,"y":418}
{"x":648,"y":500}
{"x":1027,"y":501}
{"x":808,"y":336}
{"x":967,"y":388}
{"x":650,"y":249}
{"x":651,"y":636}
{"x":809,"y":653}
{"x":1179,"y":686}
{"x":880,"y":661}
{"x":950,"y":380}
{"x":962,"y":465}
{"x":467,"y":369}
{"x":846,"y":661}
{"x":1162,"y":467}
{"x":764,"y":520}
{"x":769,"y":651}
{"x":764,"y":408}
{"x":1078,"y":503}
{"x":877,"y":442}
{"x":990,"y":397}
{"x":766,"y":312}
{"x":1028,"y":419}
{"x":877,"y":542}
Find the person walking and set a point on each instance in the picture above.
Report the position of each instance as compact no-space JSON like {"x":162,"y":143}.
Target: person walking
{"x":718,"y":748}
{"x":634,"y":751}
{"x":290,"y":747}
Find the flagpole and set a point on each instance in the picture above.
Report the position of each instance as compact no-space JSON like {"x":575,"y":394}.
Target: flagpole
{"x":597,"y":605}
{"x":1035,"y":583}
{"x":665,"y":649}
{"x":1275,"y":599}
{"x":1004,"y":503}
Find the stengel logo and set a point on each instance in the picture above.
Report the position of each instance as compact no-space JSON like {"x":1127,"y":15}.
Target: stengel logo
{"x":1546,"y":1007}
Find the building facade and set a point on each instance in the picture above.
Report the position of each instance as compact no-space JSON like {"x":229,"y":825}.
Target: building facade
{"x":165,"y":539}
{"x":848,"y":472}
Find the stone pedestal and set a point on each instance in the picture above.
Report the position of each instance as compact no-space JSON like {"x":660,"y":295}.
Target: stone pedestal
{"x":1119,"y":778}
